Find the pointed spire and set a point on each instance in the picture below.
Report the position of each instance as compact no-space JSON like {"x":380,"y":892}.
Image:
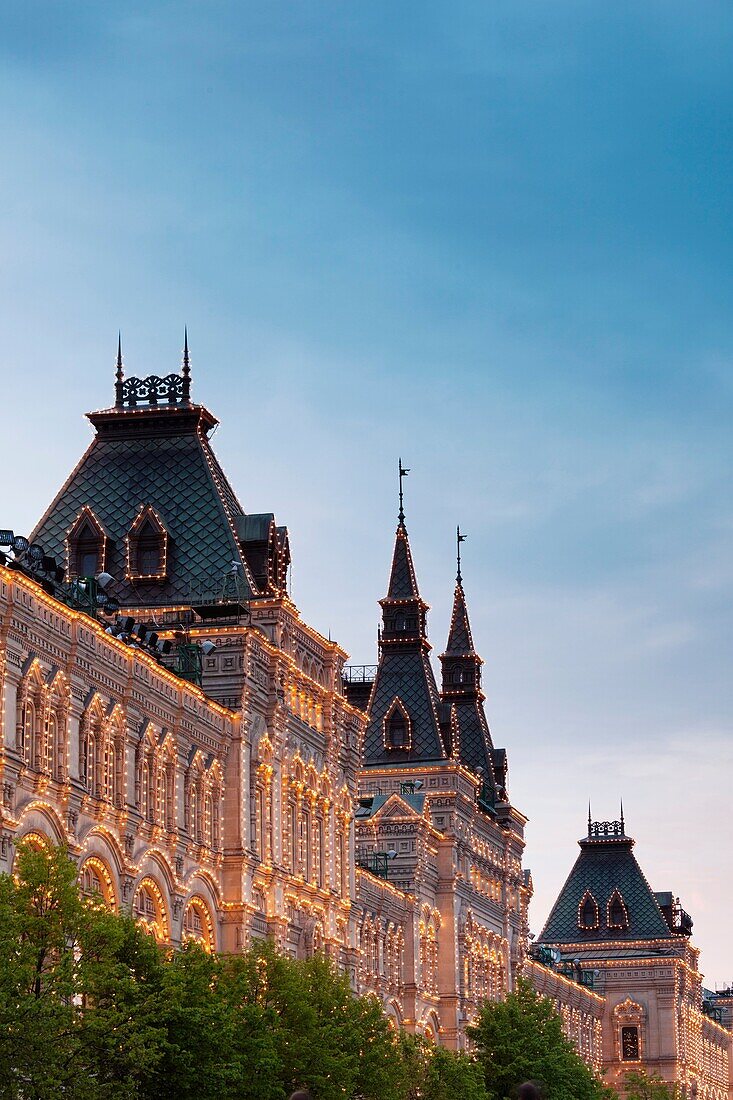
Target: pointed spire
{"x":186,"y":370}
{"x":402,"y":580}
{"x":623,"y":824}
{"x":119,"y":374}
{"x":589,"y":818}
{"x":402,"y":475}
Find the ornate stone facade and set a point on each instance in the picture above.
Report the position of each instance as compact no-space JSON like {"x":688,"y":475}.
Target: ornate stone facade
{"x":215,"y":768}
{"x":609,"y":929}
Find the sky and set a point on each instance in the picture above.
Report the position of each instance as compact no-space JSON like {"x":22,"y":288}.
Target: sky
{"x":491,"y":238}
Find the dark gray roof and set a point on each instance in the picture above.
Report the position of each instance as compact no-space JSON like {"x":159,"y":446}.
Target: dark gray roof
{"x":606,"y":864}
{"x":402,"y":581}
{"x":158,"y":457}
{"x":407,"y":675}
{"x":460,"y":639}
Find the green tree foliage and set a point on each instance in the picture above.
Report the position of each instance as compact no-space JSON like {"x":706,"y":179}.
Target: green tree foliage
{"x":521,"y":1039}
{"x":641,"y":1086}
{"x":433,"y":1073}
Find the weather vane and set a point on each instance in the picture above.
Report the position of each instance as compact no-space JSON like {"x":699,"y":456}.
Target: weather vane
{"x":403,"y":474}
{"x":459,"y":539}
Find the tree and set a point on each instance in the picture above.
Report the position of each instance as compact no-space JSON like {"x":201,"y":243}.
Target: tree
{"x":521,"y":1039}
{"x":641,"y":1086}
{"x":77,"y":988}
{"x":433,"y":1073}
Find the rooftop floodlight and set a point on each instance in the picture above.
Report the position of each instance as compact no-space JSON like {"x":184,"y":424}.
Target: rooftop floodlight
{"x":48,"y":563}
{"x":6,"y":538}
{"x":153,"y":640}
{"x":141,"y":630}
{"x":20,"y":544}
{"x":391,"y":854}
{"x":36,"y":553}
{"x":164,"y":646}
{"x":207,"y":648}
{"x":111,"y":607}
{"x":126,"y":625}
{"x":418,"y":784}
{"x":104,"y":580}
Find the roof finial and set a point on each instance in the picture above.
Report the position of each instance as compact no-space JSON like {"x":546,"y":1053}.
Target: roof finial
{"x":186,"y":371}
{"x":623,"y":825}
{"x":589,"y":818}
{"x":403,"y":474}
{"x":459,"y":539}
{"x":119,"y":375}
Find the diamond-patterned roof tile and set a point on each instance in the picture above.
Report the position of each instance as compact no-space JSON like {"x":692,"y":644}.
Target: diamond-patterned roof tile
{"x":603,"y":866}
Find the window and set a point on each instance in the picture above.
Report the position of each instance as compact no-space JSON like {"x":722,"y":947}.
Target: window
{"x":397,"y":727}
{"x":147,"y":546}
{"x":148,"y":550}
{"x":630,"y":1044}
{"x":397,"y":730}
{"x":87,"y":549}
{"x":617,"y":916}
{"x":588,"y":914}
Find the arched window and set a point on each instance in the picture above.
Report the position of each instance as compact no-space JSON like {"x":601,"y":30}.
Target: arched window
{"x":588,"y":913}
{"x":397,"y":727}
{"x":86,"y":540}
{"x":148,"y":551}
{"x":149,"y":909}
{"x":617,"y":916}
{"x":147,"y":546}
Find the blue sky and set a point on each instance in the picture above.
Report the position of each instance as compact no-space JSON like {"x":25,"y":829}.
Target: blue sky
{"x":492,"y":238}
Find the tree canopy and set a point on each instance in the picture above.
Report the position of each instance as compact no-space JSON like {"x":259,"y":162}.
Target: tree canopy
{"x":521,"y":1039}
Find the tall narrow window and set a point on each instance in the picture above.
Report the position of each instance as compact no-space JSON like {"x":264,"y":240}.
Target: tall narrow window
{"x":617,"y":916}
{"x":630,"y":1044}
{"x":147,"y":546}
{"x":87,"y":542}
{"x":148,"y":551}
{"x":397,"y":727}
{"x":588,"y":913}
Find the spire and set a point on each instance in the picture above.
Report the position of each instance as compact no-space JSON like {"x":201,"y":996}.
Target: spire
{"x":186,"y":370}
{"x":402,"y":475}
{"x":402,"y":580}
{"x":623,"y":823}
{"x":589,"y":818}
{"x":119,"y":375}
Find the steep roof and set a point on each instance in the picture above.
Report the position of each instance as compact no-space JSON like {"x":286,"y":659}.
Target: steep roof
{"x":156,"y":455}
{"x":402,"y":580}
{"x":606,"y":864}
{"x":461,"y":687}
{"x":404,"y":674}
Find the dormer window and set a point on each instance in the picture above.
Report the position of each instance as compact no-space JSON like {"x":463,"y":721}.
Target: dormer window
{"x":397,"y":727}
{"x":86,"y":541}
{"x":400,"y":623}
{"x":588,"y":912}
{"x":617,"y":916}
{"x":147,"y":546}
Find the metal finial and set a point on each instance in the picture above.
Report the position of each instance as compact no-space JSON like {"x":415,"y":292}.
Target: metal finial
{"x":589,"y":818}
{"x":119,"y":375}
{"x":186,"y":371}
{"x":459,"y":539}
{"x":623,"y":825}
{"x":403,"y":474}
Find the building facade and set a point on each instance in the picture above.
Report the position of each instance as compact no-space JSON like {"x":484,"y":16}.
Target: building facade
{"x":610,"y":930}
{"x":217,"y":769}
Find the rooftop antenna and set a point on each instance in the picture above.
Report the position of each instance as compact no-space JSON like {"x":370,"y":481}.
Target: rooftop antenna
{"x":459,"y":539}
{"x":186,"y":371}
{"x":403,"y":474}
{"x":119,"y":375}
